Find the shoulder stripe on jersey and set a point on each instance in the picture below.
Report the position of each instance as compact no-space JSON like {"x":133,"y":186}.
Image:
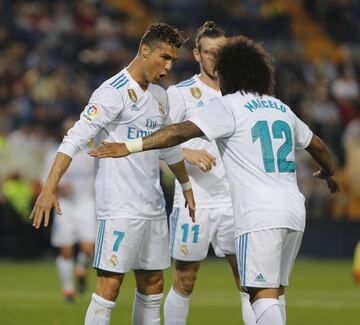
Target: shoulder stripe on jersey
{"x":118,"y":80}
{"x":118,"y":86}
{"x":185,"y":85}
{"x":185,"y":82}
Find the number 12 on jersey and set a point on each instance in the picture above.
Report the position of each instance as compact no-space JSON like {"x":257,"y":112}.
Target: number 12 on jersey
{"x":280,"y":129}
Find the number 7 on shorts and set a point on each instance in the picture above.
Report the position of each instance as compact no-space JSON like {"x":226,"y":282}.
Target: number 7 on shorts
{"x":119,"y":237}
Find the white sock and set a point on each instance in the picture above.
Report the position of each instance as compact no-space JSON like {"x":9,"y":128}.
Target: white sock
{"x":146,"y":309}
{"x":65,"y":269}
{"x":99,"y":311}
{"x":267,"y":311}
{"x":81,"y":262}
{"x":176,"y":308}
{"x":282,"y":304}
{"x":248,"y":314}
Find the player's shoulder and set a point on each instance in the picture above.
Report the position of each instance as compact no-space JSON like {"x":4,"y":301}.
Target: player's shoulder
{"x":186,"y":83}
{"x":116,"y":84}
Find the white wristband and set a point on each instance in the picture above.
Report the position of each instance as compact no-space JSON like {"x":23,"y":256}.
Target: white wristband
{"x":135,"y":145}
{"x":186,"y":186}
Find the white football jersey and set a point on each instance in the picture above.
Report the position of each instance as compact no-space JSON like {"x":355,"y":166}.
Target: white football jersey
{"x":119,"y":110}
{"x":257,"y":137}
{"x":211,"y":189}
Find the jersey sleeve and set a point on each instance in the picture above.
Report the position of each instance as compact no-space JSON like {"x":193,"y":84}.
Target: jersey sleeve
{"x":176,"y":104}
{"x":216,"y":120}
{"x":104,"y":105}
{"x":303,"y":134}
{"x":171,"y":155}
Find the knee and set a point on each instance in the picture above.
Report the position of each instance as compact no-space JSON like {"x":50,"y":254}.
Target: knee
{"x":108,"y":287}
{"x":151,"y":285}
{"x":184,"y":282}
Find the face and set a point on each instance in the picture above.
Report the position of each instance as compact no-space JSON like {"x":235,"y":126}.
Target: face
{"x":157,"y":62}
{"x":206,"y":54}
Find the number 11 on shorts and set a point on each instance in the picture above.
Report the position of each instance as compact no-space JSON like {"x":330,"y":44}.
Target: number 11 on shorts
{"x":194,"y":229}
{"x":119,"y":237}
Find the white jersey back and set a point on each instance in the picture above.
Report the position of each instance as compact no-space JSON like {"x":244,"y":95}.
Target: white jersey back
{"x":257,"y":137}
{"x":120,"y":110}
{"x":211,"y":189}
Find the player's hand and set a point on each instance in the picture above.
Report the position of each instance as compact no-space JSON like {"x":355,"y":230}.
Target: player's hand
{"x":331,"y":184}
{"x":110,"y":149}
{"x":190,"y":203}
{"x":45,"y":202}
{"x":200,"y":158}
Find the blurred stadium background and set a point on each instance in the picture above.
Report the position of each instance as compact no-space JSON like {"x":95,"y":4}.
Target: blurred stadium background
{"x":53,"y":54}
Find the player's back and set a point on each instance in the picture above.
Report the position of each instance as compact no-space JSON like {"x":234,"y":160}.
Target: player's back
{"x":260,"y":161}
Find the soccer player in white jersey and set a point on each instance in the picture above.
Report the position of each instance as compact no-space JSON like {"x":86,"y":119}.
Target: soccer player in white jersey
{"x":77,"y":225}
{"x":256,"y":135}
{"x":132,"y":231}
{"x":189,"y":242}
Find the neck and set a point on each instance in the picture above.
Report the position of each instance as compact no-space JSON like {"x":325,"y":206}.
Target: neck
{"x":209,"y":81}
{"x":136,"y":72}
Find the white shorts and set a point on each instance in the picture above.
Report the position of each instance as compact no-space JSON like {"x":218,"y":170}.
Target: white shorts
{"x":128,"y":244}
{"x":266,"y":257}
{"x":190,"y":241}
{"x":76,"y":224}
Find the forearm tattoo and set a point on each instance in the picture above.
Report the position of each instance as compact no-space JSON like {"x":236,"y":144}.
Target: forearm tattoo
{"x":171,"y":135}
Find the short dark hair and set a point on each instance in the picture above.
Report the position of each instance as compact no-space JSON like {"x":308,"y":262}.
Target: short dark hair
{"x":208,"y":29}
{"x":244,"y":65}
{"x":162,"y":32}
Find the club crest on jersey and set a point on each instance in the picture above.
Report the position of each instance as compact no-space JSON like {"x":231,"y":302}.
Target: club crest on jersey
{"x":132,"y":95}
{"x":113,"y":260}
{"x":89,"y":112}
{"x":184,"y":249}
{"x":162,"y":110}
{"x":196,"y":92}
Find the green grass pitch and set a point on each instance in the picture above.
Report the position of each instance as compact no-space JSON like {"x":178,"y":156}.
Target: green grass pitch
{"x":320,"y":292}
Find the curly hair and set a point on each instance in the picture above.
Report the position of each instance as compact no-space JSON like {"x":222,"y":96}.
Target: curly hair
{"x":162,"y":32}
{"x":244,"y":65}
{"x":208,"y":29}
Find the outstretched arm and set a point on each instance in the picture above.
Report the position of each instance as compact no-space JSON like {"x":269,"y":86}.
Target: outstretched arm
{"x":321,"y":154}
{"x":47,"y":198}
{"x":166,"y":137}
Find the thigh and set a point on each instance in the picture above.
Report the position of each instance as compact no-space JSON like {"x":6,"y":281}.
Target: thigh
{"x":223,"y":240}
{"x":117,"y":244}
{"x":259,"y":258}
{"x":290,"y":249}
{"x":189,"y":241}
{"x":154,"y":250}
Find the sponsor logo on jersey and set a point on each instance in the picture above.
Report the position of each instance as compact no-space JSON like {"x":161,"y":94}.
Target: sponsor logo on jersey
{"x":134,"y":108}
{"x":200,"y":103}
{"x":184,"y":249}
{"x":162,"y":110}
{"x":196,"y":92}
{"x":113,"y":260}
{"x":90,"y":112}
{"x":132,"y":95}
{"x":260,"y":278}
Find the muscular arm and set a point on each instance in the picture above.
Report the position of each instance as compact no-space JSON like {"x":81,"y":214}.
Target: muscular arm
{"x":321,"y":154}
{"x":47,"y":198}
{"x":166,"y":137}
{"x":171,"y":135}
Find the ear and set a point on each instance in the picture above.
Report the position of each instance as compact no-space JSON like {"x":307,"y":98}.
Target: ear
{"x":145,"y":51}
{"x":196,"y":54}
